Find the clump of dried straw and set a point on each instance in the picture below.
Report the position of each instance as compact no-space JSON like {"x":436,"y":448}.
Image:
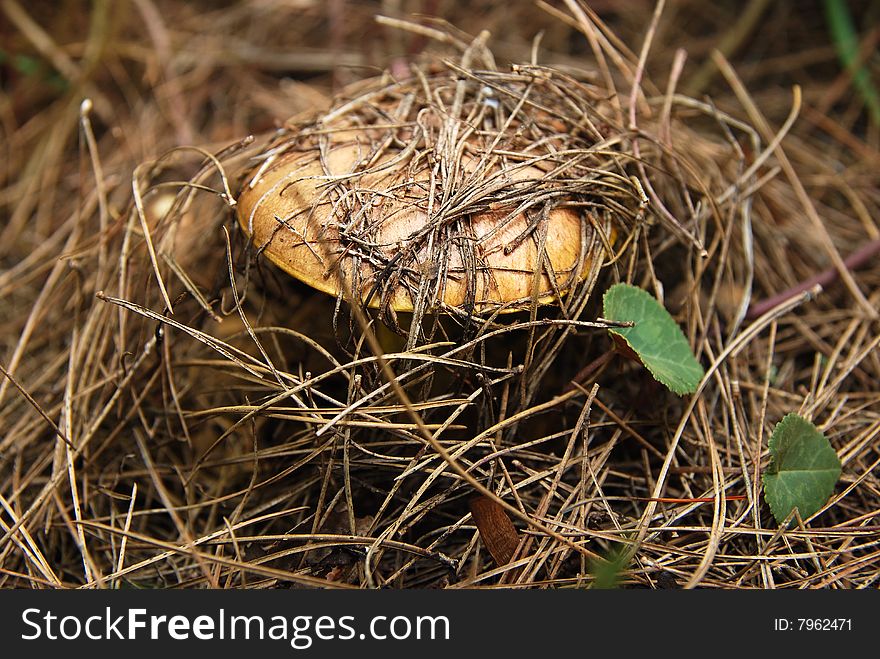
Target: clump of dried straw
{"x":198,"y":418}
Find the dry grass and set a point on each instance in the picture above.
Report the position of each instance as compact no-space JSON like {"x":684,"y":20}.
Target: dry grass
{"x":176,"y":412}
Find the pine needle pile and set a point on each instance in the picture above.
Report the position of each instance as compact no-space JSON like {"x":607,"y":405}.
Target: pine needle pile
{"x":176,"y":411}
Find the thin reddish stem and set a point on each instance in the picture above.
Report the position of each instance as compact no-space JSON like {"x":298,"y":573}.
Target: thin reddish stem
{"x":856,"y":260}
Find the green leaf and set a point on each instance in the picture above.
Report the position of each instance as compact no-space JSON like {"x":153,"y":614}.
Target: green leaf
{"x":656,"y":338}
{"x":607,"y":571}
{"x":803,"y":469}
{"x":846,"y":42}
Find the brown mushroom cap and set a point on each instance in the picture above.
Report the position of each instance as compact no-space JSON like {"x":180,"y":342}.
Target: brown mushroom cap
{"x":343,"y":201}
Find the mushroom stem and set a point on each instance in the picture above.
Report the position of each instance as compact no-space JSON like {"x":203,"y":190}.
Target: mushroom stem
{"x":389,"y":340}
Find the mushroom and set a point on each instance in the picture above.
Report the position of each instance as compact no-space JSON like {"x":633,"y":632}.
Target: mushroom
{"x":408,"y":206}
